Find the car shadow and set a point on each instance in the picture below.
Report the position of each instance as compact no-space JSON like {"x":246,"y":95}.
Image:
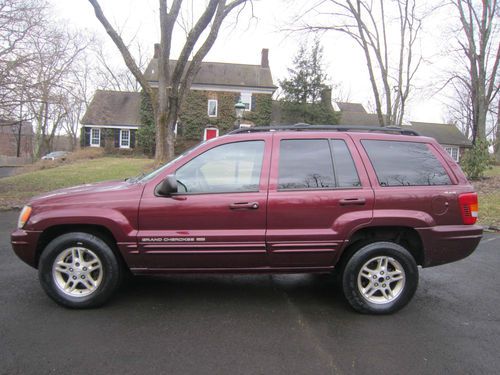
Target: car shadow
{"x":316,"y":289}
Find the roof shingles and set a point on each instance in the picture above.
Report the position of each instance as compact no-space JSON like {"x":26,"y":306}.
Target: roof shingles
{"x":113,"y":108}
{"x":222,"y":74}
{"x":446,"y":134}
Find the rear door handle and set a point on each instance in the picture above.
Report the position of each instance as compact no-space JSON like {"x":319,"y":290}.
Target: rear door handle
{"x":352,"y":202}
{"x":244,"y":205}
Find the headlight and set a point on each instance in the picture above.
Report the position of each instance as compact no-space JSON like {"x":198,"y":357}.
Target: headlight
{"x":24,"y":216}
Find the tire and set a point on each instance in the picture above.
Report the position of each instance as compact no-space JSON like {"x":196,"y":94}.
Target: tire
{"x":380,"y":278}
{"x":79,"y":270}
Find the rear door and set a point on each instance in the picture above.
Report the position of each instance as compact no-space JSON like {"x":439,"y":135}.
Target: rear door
{"x":318,"y":194}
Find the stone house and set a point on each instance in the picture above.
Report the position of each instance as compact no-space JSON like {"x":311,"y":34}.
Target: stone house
{"x":113,"y":118}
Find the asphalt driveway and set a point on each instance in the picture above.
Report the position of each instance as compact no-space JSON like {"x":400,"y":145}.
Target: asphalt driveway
{"x":289,"y":324}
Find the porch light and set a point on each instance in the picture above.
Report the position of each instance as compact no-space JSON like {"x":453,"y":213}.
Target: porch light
{"x":239,"y":109}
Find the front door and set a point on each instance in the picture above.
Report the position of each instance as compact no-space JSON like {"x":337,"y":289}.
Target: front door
{"x":217,"y":219}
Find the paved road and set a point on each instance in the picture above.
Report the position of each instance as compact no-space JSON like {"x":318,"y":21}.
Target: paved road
{"x":253,"y":325}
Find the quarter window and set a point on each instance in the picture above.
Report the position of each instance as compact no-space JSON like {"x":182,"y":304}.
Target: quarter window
{"x":233,"y":167}
{"x":405,"y":164}
{"x":124,"y":138}
{"x":95,"y":137}
{"x":305,"y":164}
{"x":212,"y":108}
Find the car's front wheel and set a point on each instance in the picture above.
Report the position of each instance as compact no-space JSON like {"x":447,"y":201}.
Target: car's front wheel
{"x":79,"y":270}
{"x":380,"y":278}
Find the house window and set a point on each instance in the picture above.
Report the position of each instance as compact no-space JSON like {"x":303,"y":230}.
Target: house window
{"x":212,"y":108}
{"x":453,"y":151}
{"x":246,"y":98}
{"x":95,"y":137}
{"x":124,"y":138}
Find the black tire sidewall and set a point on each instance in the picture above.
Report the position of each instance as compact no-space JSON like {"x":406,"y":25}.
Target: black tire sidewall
{"x":109,"y":262}
{"x":359,"y":258}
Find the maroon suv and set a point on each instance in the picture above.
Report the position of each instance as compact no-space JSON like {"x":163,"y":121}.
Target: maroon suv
{"x":372,"y":205}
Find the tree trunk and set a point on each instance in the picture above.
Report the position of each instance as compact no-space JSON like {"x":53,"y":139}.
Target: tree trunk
{"x":497,"y":136}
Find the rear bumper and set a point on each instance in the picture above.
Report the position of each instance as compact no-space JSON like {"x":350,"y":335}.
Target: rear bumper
{"x":449,"y":243}
{"x":24,"y":244}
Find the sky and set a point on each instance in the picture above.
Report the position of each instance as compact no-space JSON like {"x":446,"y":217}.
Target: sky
{"x":242,"y":42}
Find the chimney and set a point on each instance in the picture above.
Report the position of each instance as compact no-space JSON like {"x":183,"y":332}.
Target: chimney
{"x":326,"y":97}
{"x":264,"y":61}
{"x":157,"y":51}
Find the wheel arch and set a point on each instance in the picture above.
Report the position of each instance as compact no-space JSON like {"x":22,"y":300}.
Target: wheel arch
{"x":55,"y":231}
{"x":404,"y":236}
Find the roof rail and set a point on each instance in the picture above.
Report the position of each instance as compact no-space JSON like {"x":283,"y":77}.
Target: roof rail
{"x":339,"y":128}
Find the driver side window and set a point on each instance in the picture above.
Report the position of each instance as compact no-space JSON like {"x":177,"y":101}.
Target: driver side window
{"x":233,"y":167}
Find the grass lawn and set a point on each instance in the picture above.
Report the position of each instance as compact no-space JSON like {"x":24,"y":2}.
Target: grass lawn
{"x":16,"y":190}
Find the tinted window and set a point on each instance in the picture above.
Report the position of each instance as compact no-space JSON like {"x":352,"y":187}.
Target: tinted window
{"x":345,"y":171}
{"x":305,"y":164}
{"x":405,"y":163}
{"x":231,"y":167}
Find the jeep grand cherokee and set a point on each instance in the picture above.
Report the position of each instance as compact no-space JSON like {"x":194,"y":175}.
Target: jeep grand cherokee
{"x":372,"y":205}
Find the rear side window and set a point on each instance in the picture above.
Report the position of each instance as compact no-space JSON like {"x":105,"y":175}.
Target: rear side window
{"x":405,"y":164}
{"x":305,"y":164}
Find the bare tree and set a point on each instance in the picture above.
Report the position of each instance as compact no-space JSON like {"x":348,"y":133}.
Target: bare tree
{"x":80,"y":88}
{"x":109,"y":76}
{"x":479,"y":21}
{"x":496,"y":132}
{"x":460,"y":110}
{"x":19,"y":20}
{"x":54,"y":57}
{"x":376,"y":30}
{"x":173,"y":85}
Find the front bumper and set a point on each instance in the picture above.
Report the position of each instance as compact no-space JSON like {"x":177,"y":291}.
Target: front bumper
{"x":24,"y":243}
{"x":449,"y":243}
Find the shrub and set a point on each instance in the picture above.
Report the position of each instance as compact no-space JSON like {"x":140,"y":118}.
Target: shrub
{"x":476,"y":160}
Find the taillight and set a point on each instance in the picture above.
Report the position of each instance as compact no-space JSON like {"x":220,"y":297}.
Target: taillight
{"x":468,"y":207}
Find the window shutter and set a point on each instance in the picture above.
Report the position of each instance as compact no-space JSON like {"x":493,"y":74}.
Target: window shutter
{"x":86,"y":137}
{"x":254,"y":99}
{"x":102,"y":134}
{"x":117,"y":137}
{"x":132,"y":138}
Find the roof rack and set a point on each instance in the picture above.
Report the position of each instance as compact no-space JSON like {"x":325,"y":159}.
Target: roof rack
{"x":339,"y":128}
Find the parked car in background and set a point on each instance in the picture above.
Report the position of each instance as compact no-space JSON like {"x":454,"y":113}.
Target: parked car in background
{"x":373,"y":204}
{"x":56,"y":155}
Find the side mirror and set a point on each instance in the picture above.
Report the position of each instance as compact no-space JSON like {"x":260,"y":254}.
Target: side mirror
{"x":168,"y":186}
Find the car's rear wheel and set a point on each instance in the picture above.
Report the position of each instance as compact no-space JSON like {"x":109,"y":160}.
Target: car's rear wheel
{"x":79,"y":270}
{"x":380,"y":278}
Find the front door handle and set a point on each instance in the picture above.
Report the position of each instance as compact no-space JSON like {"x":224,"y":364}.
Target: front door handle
{"x":244,"y":205}
{"x":352,"y":202}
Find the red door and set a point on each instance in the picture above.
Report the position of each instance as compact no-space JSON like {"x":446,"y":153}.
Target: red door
{"x":217,"y":219}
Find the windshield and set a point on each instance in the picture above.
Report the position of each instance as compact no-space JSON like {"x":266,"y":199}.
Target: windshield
{"x":147,"y":177}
